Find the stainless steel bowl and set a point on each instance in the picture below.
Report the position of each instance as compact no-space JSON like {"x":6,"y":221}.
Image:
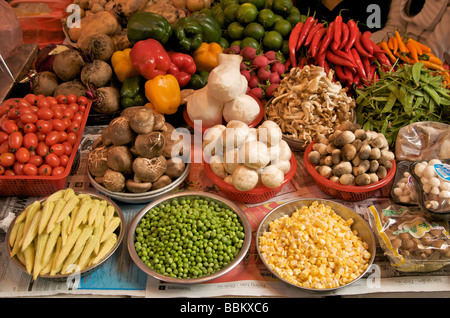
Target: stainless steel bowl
{"x":189,"y":194}
{"x":141,"y":197}
{"x":364,"y":231}
{"x":120,"y":231}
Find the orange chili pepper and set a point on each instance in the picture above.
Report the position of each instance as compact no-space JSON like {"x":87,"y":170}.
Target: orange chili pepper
{"x":384,"y":46}
{"x":412,"y":52}
{"x":418,"y":48}
{"x":423,"y":47}
{"x":435,"y":60}
{"x":401,"y":45}
{"x":433,"y":66}
{"x":393,"y":45}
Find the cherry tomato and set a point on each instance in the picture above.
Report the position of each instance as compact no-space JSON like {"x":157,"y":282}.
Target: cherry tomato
{"x":67,"y":148}
{"x":44,"y":126}
{"x":64,"y":160}
{"x":29,"y":118}
{"x":45,"y":113}
{"x":22,"y":155}
{"x":62,"y":136}
{"x":58,"y":171}
{"x":22,"y":102}
{"x":71,"y":98}
{"x":4,"y":147}
{"x":13,"y":113}
{"x":3,"y":136}
{"x":74,"y":128}
{"x":58,"y":112}
{"x":18,"y":168}
{"x":67,"y":122}
{"x":15,"y":140}
{"x":68,"y":113}
{"x":9,"y":172}
{"x":52,"y":100}
{"x":52,"y":160}
{"x":61,"y":99}
{"x":30,"y":141}
{"x":9,"y":126}
{"x":36,"y":160}
{"x":58,"y":124}
{"x":58,"y":149}
{"x":41,"y":136}
{"x":71,"y":138}
{"x":31,"y":98}
{"x":45,"y":170}
{"x":82,"y":108}
{"x":39,"y":97}
{"x":83,"y":100}
{"x":30,"y":169}
{"x":73,"y":107}
{"x":52,"y":138}
{"x":43,"y":102}
{"x":7,"y":159}
{"x":29,"y":128}
{"x":2,"y":170}
{"x":42,"y":149}
{"x":77,"y":117}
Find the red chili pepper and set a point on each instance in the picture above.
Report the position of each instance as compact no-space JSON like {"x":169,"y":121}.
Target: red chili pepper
{"x":358,"y":62}
{"x":376,"y":48}
{"x":340,"y":73}
{"x":353,"y":28}
{"x":372,"y":72}
{"x":293,"y":38}
{"x":367,"y":42}
{"x":338,"y":60}
{"x":327,"y":39}
{"x":383,"y":59}
{"x":312,"y":32}
{"x":347,"y":56}
{"x":348,"y":74}
{"x":359,"y":47}
{"x":314,"y":48}
{"x":366,"y":63}
{"x":345,"y":35}
{"x":337,"y":32}
{"x":305,"y":31}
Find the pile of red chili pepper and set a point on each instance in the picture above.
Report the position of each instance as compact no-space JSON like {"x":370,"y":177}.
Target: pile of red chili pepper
{"x":340,"y":46}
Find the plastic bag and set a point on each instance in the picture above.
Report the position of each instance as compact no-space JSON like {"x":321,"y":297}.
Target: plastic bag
{"x":403,"y":190}
{"x":409,"y":240}
{"x":423,"y":141}
{"x":10,"y":30}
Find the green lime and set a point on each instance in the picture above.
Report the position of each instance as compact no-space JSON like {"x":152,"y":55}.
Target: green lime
{"x":282,"y":7}
{"x":276,"y":17}
{"x":246,"y":13}
{"x":294,"y":17}
{"x":254,"y":30}
{"x":235,"y":31}
{"x":236,"y":42}
{"x":283,"y":27}
{"x":226,"y":3}
{"x":266,"y":18}
{"x":285,"y":48}
{"x":224,"y":43}
{"x":259,"y":4}
{"x":230,"y":12}
{"x":249,"y":41}
{"x":272,"y":40}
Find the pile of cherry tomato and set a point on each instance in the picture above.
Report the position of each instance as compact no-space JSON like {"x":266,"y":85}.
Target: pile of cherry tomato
{"x":37,"y":133}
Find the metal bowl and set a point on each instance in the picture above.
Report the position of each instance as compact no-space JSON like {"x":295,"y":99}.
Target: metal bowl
{"x":141,"y":197}
{"x":189,"y":194}
{"x":360,"y":225}
{"x":120,"y":231}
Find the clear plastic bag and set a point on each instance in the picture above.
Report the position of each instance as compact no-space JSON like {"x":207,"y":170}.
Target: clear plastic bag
{"x":10,"y":30}
{"x":411,"y":242}
{"x":423,"y":141}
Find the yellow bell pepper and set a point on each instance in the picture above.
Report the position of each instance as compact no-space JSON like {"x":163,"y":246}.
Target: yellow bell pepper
{"x":163,"y":93}
{"x":205,"y":57}
{"x":122,"y":66}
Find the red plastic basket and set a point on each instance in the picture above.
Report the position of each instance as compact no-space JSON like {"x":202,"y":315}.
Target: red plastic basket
{"x":39,"y":186}
{"x":255,"y":122}
{"x":256,"y":195}
{"x":345,"y":192}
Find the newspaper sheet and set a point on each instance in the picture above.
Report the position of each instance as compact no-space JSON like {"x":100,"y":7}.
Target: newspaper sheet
{"x":119,"y":276}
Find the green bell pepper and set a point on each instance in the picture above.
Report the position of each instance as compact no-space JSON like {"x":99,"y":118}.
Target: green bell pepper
{"x":187,"y":34}
{"x":146,"y":25}
{"x":198,"y":80}
{"x":132,"y":92}
{"x":212,"y":32}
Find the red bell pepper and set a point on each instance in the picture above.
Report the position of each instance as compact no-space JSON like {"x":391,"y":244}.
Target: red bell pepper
{"x":182,"y":67}
{"x":150,"y":58}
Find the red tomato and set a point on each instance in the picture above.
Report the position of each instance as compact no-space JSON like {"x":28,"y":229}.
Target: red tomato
{"x":29,"y":128}
{"x":22,"y":102}
{"x":45,"y":170}
{"x":42,"y":149}
{"x":44,"y":126}
{"x":7,"y":159}
{"x":58,"y":113}
{"x":58,"y":171}
{"x":36,"y":160}
{"x":82,"y":108}
{"x":30,"y":141}
{"x":77,"y":117}
{"x":62,"y":136}
{"x":13,"y":113}
{"x":39,"y":97}
{"x":71,"y":98}
{"x":4,"y":147}
{"x":41,"y":136}
{"x":71,"y":138}
{"x":83,"y":100}
{"x":67,"y":122}
{"x":18,"y":168}
{"x":52,"y":138}
{"x":68,"y":113}
{"x":31,"y":98}
{"x":29,"y":118}
{"x":22,"y":155}
{"x":67,"y":148}
{"x":74,"y":128}
{"x":2,"y":170}
{"x":73,"y":107}
{"x":9,"y":172}
{"x":15,"y":140}
{"x":52,"y":100}
{"x":64,"y":160}
{"x":9,"y":126}
{"x":45,"y":113}
{"x":61,"y":99}
{"x":30,"y":169}
{"x":43,"y":102}
{"x":58,"y":124}
{"x":52,"y":160}
{"x":57,"y":149}
{"x":3,"y":136}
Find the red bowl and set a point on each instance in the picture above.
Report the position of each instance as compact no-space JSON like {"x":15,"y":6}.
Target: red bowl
{"x":255,"y":122}
{"x":346,"y":192}
{"x":256,"y":195}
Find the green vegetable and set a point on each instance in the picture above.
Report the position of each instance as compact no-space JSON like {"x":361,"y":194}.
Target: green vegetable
{"x":199,"y":80}
{"x":187,"y":34}
{"x":148,"y":25}
{"x":212,"y":32}
{"x":410,"y":94}
{"x":132,"y":92}
{"x":188,"y":238}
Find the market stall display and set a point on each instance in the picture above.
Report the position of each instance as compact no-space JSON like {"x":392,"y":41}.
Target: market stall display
{"x":281,"y":97}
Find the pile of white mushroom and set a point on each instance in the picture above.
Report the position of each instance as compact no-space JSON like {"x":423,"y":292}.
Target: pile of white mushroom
{"x":307,"y":103}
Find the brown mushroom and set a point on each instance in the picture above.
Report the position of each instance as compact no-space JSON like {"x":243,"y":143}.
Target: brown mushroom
{"x":163,"y":181}
{"x":137,"y":186}
{"x":150,"y":145}
{"x":120,"y":132}
{"x":98,"y":161}
{"x":112,"y":180}
{"x":149,"y":169}
{"x":120,"y":159}
{"x":143,"y":121}
{"x":175,"y":167}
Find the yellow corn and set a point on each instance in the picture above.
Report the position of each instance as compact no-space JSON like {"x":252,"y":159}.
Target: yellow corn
{"x":112,"y":226}
{"x":109,"y":213}
{"x":58,"y":248}
{"x":21,"y":257}
{"x":47,"y":211}
{"x":31,"y":232}
{"x":87,"y":251}
{"x":55,"y":196}
{"x":59,"y":205}
{"x":77,"y":249}
{"x":17,"y":242}
{"x":13,"y":234}
{"x":85,"y":206}
{"x":33,"y":206}
{"x":68,"y":193}
{"x":51,"y":243}
{"x":100,"y":212}
{"x":68,"y":208}
{"x":29,"y":258}
{"x":85,"y":234}
{"x":105,"y":248}
{"x":98,"y":232}
{"x":41,"y":242}
{"x":65,"y":229}
{"x":93,"y":211}
{"x":31,"y":211}
{"x":65,"y":250}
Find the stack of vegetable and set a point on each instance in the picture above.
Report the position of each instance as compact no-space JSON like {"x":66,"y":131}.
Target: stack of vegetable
{"x":407,"y":50}
{"x":340,"y":46}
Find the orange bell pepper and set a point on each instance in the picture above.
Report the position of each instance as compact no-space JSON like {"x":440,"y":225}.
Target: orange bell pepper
{"x":164,"y":94}
{"x":205,"y":56}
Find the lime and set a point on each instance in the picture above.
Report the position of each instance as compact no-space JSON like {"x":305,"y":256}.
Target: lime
{"x":283,"y":27}
{"x":235,"y":31}
{"x":236,"y":43}
{"x":272,"y":40}
{"x":230,"y":12}
{"x":277,"y":17}
{"x":224,"y":43}
{"x":246,"y":13}
{"x":254,"y":30}
{"x":249,"y":41}
{"x":226,"y":3}
{"x":259,"y":4}
{"x":282,"y":7}
{"x":266,"y":18}
{"x":285,"y":48}
{"x":294,"y":17}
